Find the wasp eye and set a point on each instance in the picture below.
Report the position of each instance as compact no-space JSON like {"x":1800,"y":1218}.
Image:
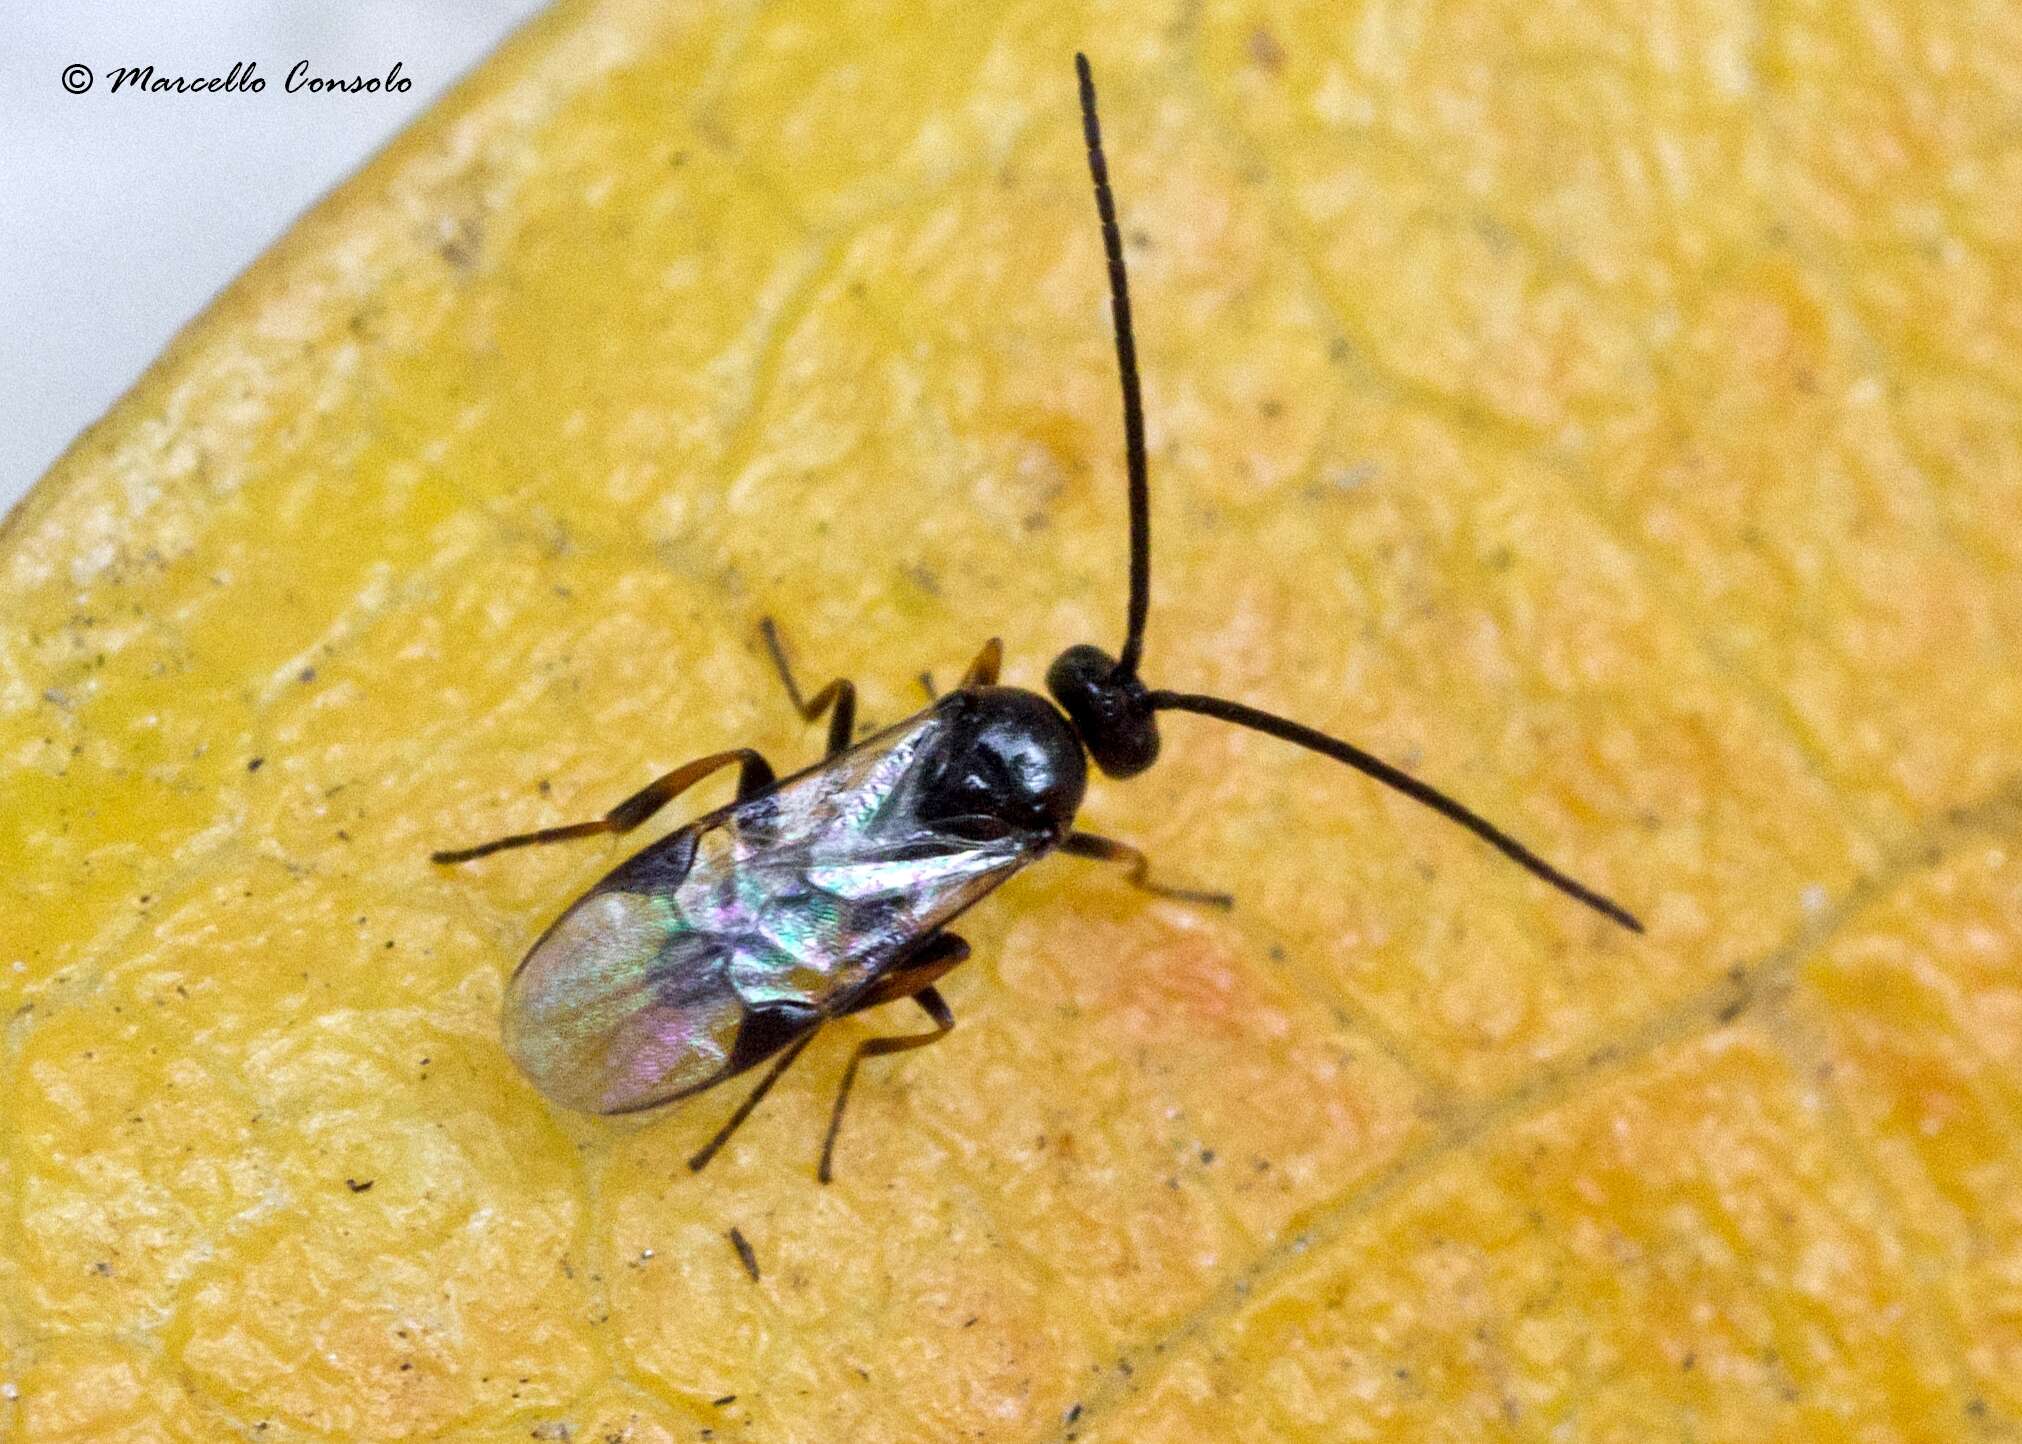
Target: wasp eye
{"x":1110,"y":709}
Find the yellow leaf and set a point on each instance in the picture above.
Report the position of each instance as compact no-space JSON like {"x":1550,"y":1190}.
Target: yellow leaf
{"x":1606,"y":411}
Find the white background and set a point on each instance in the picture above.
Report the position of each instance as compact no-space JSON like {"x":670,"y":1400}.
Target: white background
{"x":121,"y":215}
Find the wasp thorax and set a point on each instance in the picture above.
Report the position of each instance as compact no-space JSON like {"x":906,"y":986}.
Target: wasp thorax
{"x":1111,"y":709}
{"x":1007,"y":763}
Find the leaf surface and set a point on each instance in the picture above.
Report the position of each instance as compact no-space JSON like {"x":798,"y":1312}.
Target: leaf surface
{"x":1606,"y":411}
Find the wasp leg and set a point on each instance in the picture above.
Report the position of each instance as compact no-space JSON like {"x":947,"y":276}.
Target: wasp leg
{"x":710,"y":1149}
{"x":983,"y":671}
{"x":928,"y":964}
{"x":1106,"y":849}
{"x":754,"y":776}
{"x":841,"y":694}
{"x":915,"y":981}
{"x":926,"y":681}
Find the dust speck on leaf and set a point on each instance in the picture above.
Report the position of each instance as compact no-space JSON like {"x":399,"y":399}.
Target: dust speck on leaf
{"x":745,"y":1254}
{"x":1266,"y":51}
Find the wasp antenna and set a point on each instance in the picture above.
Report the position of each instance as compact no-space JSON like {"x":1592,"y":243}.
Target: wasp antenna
{"x":1363,"y":762}
{"x":1126,"y":365}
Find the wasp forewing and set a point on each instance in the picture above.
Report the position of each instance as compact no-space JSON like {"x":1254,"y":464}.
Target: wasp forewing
{"x":792,"y":902}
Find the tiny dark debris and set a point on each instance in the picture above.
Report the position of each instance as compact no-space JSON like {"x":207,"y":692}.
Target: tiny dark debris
{"x":255,"y":764}
{"x":358,"y":1185}
{"x":726,"y":1400}
{"x":461,"y":246}
{"x":1266,"y":51}
{"x":744,"y":1254}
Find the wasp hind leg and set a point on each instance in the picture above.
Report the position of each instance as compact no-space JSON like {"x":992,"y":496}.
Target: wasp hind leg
{"x":1138,"y":868}
{"x":754,"y":776}
{"x":710,"y":1149}
{"x":838,"y":698}
{"x":914,"y":980}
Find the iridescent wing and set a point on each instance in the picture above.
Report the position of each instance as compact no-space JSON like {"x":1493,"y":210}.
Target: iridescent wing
{"x":795,"y":901}
{"x":622,"y":1005}
{"x":833,"y":877}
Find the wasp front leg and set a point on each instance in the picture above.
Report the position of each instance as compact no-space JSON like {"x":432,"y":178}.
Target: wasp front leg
{"x":983,"y":671}
{"x":839,"y":695}
{"x":1138,"y":868}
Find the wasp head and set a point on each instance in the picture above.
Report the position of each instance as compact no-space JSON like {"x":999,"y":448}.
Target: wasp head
{"x":1109,"y":707}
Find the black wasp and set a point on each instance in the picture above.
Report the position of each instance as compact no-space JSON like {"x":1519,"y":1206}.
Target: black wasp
{"x":732,"y":940}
